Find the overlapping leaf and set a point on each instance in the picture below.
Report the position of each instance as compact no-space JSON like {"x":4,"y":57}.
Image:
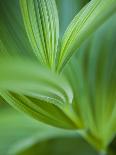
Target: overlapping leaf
{"x":48,"y":97}
{"x":14,"y":137}
{"x":94,"y":73}
{"x":37,"y":91}
{"x":40,"y":138}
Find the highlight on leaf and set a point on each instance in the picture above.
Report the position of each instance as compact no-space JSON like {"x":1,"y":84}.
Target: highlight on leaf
{"x":92,"y":76}
{"x":30,"y":88}
{"x":83,"y":95}
{"x":85,"y":22}
{"x":42,"y":26}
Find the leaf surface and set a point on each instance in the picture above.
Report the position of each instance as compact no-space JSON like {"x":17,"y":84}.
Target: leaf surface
{"x":37,"y":91}
{"x":42,"y":26}
{"x":85,"y":22}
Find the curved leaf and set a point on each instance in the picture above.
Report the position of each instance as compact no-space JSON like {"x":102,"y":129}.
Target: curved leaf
{"x":40,"y":138}
{"x":86,"y":21}
{"x":15,"y":139}
{"x":95,"y":76}
{"x":37,"y":91}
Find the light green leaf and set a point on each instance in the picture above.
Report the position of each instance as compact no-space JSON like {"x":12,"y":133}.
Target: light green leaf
{"x":49,"y":97}
{"x":14,"y":137}
{"x":37,"y":91}
{"x":14,"y":127}
{"x":92,"y":75}
{"x":42,"y":26}
{"x":86,"y":21}
{"x":20,"y":135}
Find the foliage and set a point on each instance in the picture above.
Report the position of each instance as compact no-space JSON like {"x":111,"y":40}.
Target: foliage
{"x":69,"y":81}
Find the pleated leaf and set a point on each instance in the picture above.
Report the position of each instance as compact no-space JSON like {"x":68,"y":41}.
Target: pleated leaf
{"x":85,"y":22}
{"x":92,"y":75}
{"x":42,"y":26}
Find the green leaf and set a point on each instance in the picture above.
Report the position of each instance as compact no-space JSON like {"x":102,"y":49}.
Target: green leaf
{"x":14,"y":127}
{"x":61,"y":145}
{"x":49,"y":97}
{"x":85,"y":22}
{"x":40,"y":138}
{"x":12,"y":31}
{"x":93,"y":77}
{"x":14,"y":137}
{"x":37,"y":91}
{"x":42,"y":26}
